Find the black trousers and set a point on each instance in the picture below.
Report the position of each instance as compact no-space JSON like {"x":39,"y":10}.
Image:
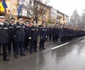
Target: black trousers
{"x":4,"y":49}
{"x":41,"y":45}
{"x":11,"y":45}
{"x":49,"y":37}
{"x":33,"y":46}
{"x":19,"y":46}
{"x":0,"y":49}
{"x":53,"y":37}
{"x":27,"y":43}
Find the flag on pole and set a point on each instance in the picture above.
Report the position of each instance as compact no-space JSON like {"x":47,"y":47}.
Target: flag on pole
{"x":4,"y":4}
{"x":19,"y":9}
{"x":1,"y":7}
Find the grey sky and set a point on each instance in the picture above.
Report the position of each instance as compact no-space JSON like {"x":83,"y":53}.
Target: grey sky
{"x":68,"y":6}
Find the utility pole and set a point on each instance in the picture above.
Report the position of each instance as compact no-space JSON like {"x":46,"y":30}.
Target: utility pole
{"x":10,"y":9}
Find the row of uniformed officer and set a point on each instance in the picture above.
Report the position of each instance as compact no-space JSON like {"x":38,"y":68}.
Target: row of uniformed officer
{"x":63,"y":33}
{"x":23,"y":35}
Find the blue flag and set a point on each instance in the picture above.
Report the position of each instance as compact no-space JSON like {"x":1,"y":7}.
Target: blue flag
{"x":19,"y":9}
{"x":4,"y":4}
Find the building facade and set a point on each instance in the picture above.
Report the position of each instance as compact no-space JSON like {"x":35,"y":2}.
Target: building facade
{"x":53,"y":15}
{"x":11,"y":10}
{"x":62,"y":18}
{"x":43,"y":12}
{"x":26,"y":11}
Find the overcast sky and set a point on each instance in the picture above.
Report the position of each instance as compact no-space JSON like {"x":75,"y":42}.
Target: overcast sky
{"x":68,"y":6}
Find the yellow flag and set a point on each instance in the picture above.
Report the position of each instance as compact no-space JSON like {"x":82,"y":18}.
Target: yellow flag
{"x":1,"y":7}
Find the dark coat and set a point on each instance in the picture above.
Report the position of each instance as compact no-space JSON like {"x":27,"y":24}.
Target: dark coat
{"x":43,"y":33}
{"x":4,"y":36}
{"x":19,"y":34}
{"x":34,"y":33}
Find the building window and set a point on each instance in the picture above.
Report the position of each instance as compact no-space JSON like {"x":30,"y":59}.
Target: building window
{"x":23,"y":12}
{"x":21,"y":1}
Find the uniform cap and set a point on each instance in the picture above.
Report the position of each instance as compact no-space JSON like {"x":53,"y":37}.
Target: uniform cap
{"x":27,"y":22}
{"x":2,"y":15}
{"x":43,"y":23}
{"x":12,"y":19}
{"x":20,"y":18}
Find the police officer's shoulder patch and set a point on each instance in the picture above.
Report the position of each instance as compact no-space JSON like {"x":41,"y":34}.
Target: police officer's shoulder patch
{"x":10,"y":27}
{"x":33,"y":29}
{"x":5,"y":28}
{"x":18,"y":26}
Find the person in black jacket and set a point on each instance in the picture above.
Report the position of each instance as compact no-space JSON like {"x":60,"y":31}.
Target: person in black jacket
{"x":34,"y":37}
{"x":19,"y":37}
{"x":27,"y":35}
{"x":60,"y":34}
{"x":43,"y":36}
{"x":4,"y":37}
{"x":49,"y":32}
{"x":11,"y":35}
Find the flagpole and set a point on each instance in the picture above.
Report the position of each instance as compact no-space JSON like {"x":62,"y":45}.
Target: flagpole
{"x":10,"y":9}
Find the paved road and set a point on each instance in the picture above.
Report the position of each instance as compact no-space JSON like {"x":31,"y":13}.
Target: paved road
{"x":68,"y":57}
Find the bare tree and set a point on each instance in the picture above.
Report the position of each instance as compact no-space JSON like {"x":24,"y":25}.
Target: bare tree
{"x":83,"y":18}
{"x":39,"y":9}
{"x":75,"y":19}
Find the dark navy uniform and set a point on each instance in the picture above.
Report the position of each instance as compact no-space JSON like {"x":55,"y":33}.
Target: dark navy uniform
{"x":43,"y":37}
{"x":49,"y":33}
{"x":60,"y":34}
{"x":34,"y":38}
{"x":11,"y":37}
{"x":19,"y":38}
{"x":4,"y":38}
{"x":27,"y":36}
{"x":53,"y":31}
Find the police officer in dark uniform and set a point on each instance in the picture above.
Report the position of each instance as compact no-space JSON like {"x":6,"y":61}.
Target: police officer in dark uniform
{"x":27,"y":35}
{"x":60,"y":34}
{"x":34,"y":37}
{"x":11,"y":35}
{"x":43,"y":36}
{"x":54,"y":31}
{"x":19,"y":37}
{"x":4,"y":37}
{"x":49,"y":32}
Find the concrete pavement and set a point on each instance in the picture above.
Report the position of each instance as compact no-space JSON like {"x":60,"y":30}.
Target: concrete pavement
{"x":68,"y":57}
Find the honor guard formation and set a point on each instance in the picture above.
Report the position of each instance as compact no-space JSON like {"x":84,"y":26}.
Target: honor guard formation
{"x":19,"y":37}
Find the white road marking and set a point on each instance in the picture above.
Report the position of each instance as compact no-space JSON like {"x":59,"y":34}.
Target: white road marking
{"x":59,"y":46}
